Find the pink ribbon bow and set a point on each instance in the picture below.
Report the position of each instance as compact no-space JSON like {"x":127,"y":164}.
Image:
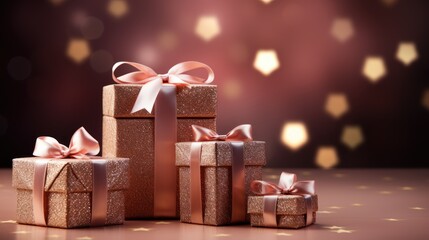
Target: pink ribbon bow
{"x":81,"y":144}
{"x":152,"y":82}
{"x":288,"y":185}
{"x":242,"y":133}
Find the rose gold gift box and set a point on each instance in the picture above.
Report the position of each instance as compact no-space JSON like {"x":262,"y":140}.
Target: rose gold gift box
{"x":291,"y":211}
{"x":132,"y":136}
{"x":68,"y":189}
{"x":216,"y":180}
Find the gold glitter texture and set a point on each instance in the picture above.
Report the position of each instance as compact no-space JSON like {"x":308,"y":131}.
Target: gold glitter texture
{"x":216,"y":158}
{"x":291,"y":211}
{"x":68,"y":187}
{"x":132,"y":136}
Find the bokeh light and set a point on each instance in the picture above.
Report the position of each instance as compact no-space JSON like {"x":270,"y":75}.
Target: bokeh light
{"x":231,"y":88}
{"x":78,"y":50}
{"x":352,"y":136}
{"x":101,"y":61}
{"x":374,"y":68}
{"x":294,"y":135}
{"x":326,"y":157}
{"x":342,"y":29}
{"x":148,"y":55}
{"x":266,"y":61}
{"x":425,"y":99}
{"x":266,"y":1}
{"x":207,"y":27}
{"x":167,"y":40}
{"x":117,"y":8}
{"x":406,"y":53}
{"x":92,"y":28}
{"x":336,"y":105}
{"x":19,"y":68}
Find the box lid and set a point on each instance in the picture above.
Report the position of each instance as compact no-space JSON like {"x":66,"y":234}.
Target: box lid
{"x":219,"y":153}
{"x":286,"y":204}
{"x":69,"y":175}
{"x":196,"y":101}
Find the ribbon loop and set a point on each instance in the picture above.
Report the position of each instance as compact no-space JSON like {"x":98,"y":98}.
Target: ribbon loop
{"x":241,"y":133}
{"x":81,"y":144}
{"x":152,"y":81}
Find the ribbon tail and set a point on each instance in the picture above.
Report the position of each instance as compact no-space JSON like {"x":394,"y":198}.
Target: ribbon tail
{"x":147,"y":96}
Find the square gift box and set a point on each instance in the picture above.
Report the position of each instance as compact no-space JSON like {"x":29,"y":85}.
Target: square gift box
{"x":216,"y":180}
{"x":68,"y":189}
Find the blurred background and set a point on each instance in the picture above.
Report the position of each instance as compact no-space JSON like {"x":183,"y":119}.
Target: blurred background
{"x":327,"y":84}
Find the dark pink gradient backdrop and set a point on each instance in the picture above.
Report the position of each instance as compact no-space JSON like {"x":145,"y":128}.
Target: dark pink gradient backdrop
{"x":58,"y":95}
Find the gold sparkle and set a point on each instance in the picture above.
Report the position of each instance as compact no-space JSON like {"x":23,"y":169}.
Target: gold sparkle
{"x":84,"y":238}
{"x":325,"y":212}
{"x":334,"y":227}
{"x":374,"y":68}
{"x":162,"y":223}
{"x":222,"y":235}
{"x":362,"y":187}
{"x":335,"y":207}
{"x":336,"y":105}
{"x":342,"y":231}
{"x":294,"y":135}
{"x":352,"y":136}
{"x":283,"y":234}
{"x":406,"y":53}
{"x":78,"y":50}
{"x":342,"y":29}
{"x":417,"y":208}
{"x":21,"y":232}
{"x":392,"y":219}
{"x":266,"y":61}
{"x":141,"y":229}
{"x":117,"y":8}
{"x":407,"y":188}
{"x":385,"y":192}
{"x":326,"y":157}
{"x":8,"y":221}
{"x":357,"y":204}
{"x":339,"y":175}
{"x":207,"y":27}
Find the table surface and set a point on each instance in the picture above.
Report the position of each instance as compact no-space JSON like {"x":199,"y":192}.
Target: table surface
{"x":359,"y":204}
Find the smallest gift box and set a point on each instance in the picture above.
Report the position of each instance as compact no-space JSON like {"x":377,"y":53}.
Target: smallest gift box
{"x":65,"y":188}
{"x":290,"y":204}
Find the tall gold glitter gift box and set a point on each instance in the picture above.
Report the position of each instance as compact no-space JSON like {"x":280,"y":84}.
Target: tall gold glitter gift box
{"x":216,"y":180}
{"x":132,"y":135}
{"x":68,"y":190}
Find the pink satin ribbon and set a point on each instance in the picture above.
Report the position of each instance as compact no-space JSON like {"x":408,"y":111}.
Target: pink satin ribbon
{"x":160,"y":90}
{"x":81,"y":145}
{"x":152,"y":82}
{"x":288,"y":185}
{"x":236,"y":137}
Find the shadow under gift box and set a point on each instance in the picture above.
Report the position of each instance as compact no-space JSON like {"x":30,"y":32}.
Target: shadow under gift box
{"x":131,"y":135}
{"x":68,"y":189}
{"x":216,"y":178}
{"x":291,"y":211}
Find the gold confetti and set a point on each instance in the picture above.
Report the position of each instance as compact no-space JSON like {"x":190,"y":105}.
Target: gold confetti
{"x":222,"y":235}
{"x":326,"y":157}
{"x":117,"y":8}
{"x":141,"y":229}
{"x":8,"y":221}
{"x":374,"y":68}
{"x":284,"y":234}
{"x":352,"y":136}
{"x":266,"y":61}
{"x":406,"y":53}
{"x":207,"y":27}
{"x":342,"y":29}
{"x":78,"y":50}
{"x":336,"y":104}
{"x":294,"y":135}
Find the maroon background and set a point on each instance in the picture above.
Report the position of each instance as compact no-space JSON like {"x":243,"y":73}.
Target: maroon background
{"x":58,"y":95}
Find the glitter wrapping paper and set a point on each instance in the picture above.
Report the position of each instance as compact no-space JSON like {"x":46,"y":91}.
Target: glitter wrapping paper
{"x":216,"y":178}
{"x":68,"y":190}
{"x":291,"y":211}
{"x":198,"y":101}
{"x":132,"y":136}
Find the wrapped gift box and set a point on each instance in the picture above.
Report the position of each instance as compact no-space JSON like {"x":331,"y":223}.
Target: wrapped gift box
{"x":216,"y":178}
{"x":291,"y":211}
{"x":68,"y":190}
{"x":131,"y":135}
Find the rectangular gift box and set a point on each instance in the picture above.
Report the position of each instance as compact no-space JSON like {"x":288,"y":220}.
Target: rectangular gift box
{"x":68,"y":190}
{"x":291,"y":211}
{"x":216,"y":178}
{"x":131,"y":135}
